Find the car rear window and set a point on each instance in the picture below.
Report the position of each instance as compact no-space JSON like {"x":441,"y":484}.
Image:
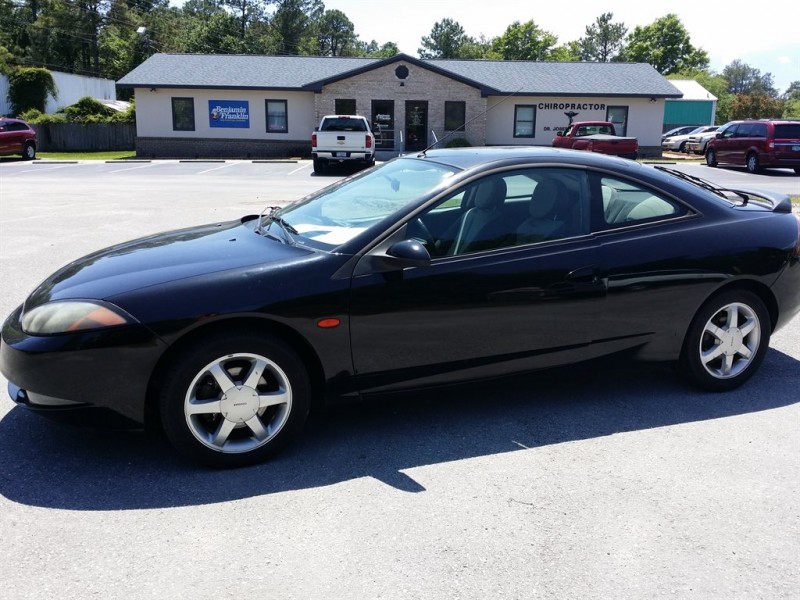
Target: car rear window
{"x":344,"y":124}
{"x":787,"y":130}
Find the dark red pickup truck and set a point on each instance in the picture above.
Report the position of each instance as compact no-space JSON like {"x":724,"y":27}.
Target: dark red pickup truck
{"x":596,"y":136}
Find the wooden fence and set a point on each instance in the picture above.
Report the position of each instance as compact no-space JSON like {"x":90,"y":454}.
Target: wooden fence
{"x":92,"y":137}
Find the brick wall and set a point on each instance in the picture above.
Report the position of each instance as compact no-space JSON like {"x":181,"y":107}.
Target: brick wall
{"x":421,"y":84}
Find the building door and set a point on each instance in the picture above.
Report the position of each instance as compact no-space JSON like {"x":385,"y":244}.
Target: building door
{"x":416,"y":137}
{"x":383,"y":124}
{"x":618,"y":115}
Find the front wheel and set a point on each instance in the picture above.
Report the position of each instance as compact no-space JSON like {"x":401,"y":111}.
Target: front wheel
{"x":234,"y":400}
{"x":711,"y":158}
{"x":726,"y":341}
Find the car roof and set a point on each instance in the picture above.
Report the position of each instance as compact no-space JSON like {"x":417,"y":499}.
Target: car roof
{"x":466,"y":158}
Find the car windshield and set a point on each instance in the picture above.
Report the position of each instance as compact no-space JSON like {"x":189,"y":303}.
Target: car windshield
{"x":338,"y":213}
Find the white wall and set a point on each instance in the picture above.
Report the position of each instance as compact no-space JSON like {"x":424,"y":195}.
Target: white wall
{"x":154,"y":113}
{"x":645,"y":118}
{"x":71,"y":88}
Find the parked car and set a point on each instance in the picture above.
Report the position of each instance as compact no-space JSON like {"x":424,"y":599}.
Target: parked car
{"x":762,"y":144}
{"x":17,"y":137}
{"x":684,"y":129}
{"x":436,"y":267}
{"x":596,"y":136}
{"x":342,"y":139}
{"x":677,"y":143}
{"x":696,"y":144}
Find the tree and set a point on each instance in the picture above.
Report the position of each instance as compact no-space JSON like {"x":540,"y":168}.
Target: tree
{"x":335,"y":34}
{"x":569,"y":52}
{"x":603,"y":40}
{"x":246,"y":12}
{"x":665,"y":44}
{"x":372,"y":49}
{"x":524,"y":41}
{"x":446,"y":40}
{"x":744,"y":79}
{"x":756,"y":106}
{"x":291,"y":23}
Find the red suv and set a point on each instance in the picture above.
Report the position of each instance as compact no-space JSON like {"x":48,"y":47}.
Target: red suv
{"x":17,"y":137}
{"x":763,"y":144}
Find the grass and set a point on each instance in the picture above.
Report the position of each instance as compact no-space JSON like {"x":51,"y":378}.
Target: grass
{"x":118,"y":155}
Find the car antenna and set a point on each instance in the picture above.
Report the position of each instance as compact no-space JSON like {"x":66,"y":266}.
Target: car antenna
{"x":464,"y":126}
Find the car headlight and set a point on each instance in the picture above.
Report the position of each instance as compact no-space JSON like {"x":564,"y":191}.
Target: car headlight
{"x":67,"y":316}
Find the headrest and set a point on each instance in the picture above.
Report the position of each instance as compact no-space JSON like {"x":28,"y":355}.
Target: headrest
{"x":490,"y":193}
{"x":546,"y":197}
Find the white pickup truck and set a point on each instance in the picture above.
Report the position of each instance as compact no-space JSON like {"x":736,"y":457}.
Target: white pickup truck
{"x":342,"y":139}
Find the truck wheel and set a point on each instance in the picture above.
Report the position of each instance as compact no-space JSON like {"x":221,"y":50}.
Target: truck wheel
{"x":319,"y":166}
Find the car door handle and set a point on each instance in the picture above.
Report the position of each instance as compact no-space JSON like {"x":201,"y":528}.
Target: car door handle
{"x":584,"y":274}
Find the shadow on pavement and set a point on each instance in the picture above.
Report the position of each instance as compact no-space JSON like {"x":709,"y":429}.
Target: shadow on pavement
{"x":50,"y":465}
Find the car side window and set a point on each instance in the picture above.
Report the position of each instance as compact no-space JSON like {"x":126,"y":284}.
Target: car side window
{"x":759,"y":130}
{"x":625,"y":203}
{"x":729,"y":132}
{"x":514,"y":208}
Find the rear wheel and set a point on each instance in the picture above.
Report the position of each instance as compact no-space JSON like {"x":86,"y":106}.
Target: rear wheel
{"x":711,"y":157}
{"x":726,"y":341}
{"x":752,"y":163}
{"x":319,"y":166}
{"x":29,"y":151}
{"x":234,"y":400}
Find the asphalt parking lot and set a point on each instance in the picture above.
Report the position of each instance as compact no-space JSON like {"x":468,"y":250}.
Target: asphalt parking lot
{"x":600,"y":481}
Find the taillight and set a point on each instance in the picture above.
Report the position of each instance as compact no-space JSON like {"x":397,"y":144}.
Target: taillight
{"x":369,"y":141}
{"x":313,"y":140}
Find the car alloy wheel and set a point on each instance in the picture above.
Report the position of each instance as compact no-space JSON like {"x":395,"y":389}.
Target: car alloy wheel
{"x":727,"y":341}
{"x":233,"y":401}
{"x":752,"y":163}
{"x":29,"y":152}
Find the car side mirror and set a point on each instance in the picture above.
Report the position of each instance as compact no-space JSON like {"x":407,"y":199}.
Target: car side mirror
{"x":408,"y":253}
{"x":561,"y":133}
{"x":316,"y":128}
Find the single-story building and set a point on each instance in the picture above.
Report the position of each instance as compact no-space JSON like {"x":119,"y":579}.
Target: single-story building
{"x":259,"y":106}
{"x":697,"y":106}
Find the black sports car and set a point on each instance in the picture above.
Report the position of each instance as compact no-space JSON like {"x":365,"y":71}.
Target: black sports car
{"x":434,"y":268}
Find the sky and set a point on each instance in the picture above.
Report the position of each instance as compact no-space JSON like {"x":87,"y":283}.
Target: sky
{"x":768,"y":39}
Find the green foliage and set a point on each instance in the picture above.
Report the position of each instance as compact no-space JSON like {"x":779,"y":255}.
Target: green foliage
{"x":446,"y":40}
{"x":603,"y":41}
{"x":744,"y":79}
{"x":665,"y":44}
{"x":29,"y":87}
{"x":756,"y":106}
{"x":457,"y":142}
{"x":524,"y":41}
{"x":85,"y":110}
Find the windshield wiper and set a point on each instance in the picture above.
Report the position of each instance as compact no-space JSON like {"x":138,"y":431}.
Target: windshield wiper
{"x":706,"y":185}
{"x":286,"y":227}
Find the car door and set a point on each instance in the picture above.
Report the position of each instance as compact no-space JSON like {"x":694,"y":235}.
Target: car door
{"x":648,"y":261}
{"x":522,"y":305}
{"x":725,"y":146}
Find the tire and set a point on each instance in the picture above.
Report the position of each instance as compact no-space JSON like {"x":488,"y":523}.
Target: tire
{"x":726,"y":342}
{"x":235,"y":399}
{"x":797,"y":170}
{"x":319,"y":166}
{"x":752,"y":163}
{"x":711,"y":157}
{"x":682,"y":148}
{"x":29,"y":151}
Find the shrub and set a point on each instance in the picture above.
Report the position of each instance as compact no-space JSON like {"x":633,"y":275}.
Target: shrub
{"x":458,"y":142}
{"x":29,"y":87}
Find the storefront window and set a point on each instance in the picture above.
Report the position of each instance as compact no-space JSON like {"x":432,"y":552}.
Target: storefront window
{"x":524,"y":120}
{"x":345,"y":106}
{"x":183,"y":114}
{"x":454,"y":115}
{"x":277,"y":119}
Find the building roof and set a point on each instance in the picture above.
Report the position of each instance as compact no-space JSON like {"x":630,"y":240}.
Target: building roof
{"x":692,"y":90}
{"x":215,"y":71}
{"x":225,"y":71}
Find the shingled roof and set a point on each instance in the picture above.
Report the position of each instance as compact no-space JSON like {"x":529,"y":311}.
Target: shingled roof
{"x":217,"y":71}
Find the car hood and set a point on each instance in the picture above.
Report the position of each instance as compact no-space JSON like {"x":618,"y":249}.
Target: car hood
{"x":163,"y":258}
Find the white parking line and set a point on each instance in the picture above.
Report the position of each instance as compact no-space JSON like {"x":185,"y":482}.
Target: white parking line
{"x":216,"y":168}
{"x":300,"y":168}
{"x":130,"y":168}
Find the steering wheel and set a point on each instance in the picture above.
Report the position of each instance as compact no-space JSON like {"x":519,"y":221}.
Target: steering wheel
{"x":417,"y":229}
